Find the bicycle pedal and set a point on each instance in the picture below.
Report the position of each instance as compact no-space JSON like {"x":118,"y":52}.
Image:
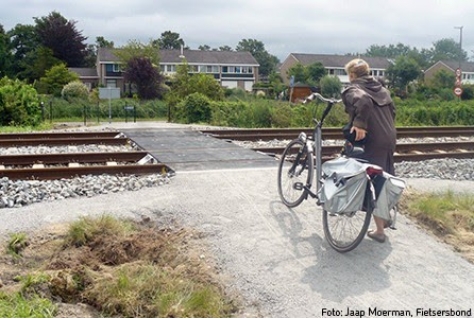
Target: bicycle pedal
{"x":298,"y":186}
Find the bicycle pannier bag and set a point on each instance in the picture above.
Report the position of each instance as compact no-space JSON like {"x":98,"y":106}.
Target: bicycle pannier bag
{"x":389,"y":195}
{"x":344,"y":187}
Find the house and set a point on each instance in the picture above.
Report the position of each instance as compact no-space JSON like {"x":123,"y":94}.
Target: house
{"x":334,"y":64}
{"x":88,"y":76}
{"x":231,"y":69}
{"x":467,"y":70}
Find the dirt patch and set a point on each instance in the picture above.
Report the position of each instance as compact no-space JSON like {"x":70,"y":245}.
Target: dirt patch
{"x":77,"y":274}
{"x":455,"y":230}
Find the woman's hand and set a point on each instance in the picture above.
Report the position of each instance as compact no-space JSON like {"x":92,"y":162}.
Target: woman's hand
{"x":360,"y":133}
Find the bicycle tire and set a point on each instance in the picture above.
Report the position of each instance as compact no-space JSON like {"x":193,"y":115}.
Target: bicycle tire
{"x":344,"y":219}
{"x":301,"y":165}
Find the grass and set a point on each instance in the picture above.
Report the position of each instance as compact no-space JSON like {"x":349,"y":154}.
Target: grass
{"x":449,"y":215}
{"x":120,"y":268}
{"x":17,"y":242}
{"x":448,"y":212}
{"x":26,"y":129}
{"x":15,"y":305}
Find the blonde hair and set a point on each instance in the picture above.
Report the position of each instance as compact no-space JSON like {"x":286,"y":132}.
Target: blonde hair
{"x":358,"y":67}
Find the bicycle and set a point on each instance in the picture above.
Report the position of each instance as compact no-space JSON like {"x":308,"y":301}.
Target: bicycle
{"x":302,"y":158}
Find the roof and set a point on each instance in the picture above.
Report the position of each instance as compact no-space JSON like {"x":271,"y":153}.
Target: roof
{"x":85,"y":72}
{"x":465,"y":66}
{"x":192,"y":56}
{"x":339,"y":61}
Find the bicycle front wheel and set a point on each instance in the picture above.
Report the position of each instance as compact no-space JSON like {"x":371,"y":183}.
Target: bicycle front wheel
{"x":295,"y":171}
{"x":345,"y":231}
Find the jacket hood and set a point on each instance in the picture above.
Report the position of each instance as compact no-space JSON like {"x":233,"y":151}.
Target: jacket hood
{"x":373,"y":88}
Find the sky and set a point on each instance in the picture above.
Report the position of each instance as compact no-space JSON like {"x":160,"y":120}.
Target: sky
{"x":283,"y":26}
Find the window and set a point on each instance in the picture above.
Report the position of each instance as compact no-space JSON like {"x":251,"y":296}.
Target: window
{"x":247,"y":69}
{"x":111,"y":83}
{"x":209,"y":68}
{"x":117,"y":68}
{"x":171,"y":68}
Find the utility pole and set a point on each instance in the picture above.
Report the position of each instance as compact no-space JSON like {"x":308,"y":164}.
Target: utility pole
{"x":458,"y":82}
{"x":460,"y":44}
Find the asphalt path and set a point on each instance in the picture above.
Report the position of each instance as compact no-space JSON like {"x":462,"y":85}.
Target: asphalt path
{"x":277,"y":258}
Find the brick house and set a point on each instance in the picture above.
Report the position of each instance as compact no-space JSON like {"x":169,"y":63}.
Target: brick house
{"x":231,"y":69}
{"x":467,"y":68}
{"x":334,"y":64}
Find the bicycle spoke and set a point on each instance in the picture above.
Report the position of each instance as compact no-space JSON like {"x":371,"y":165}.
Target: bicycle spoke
{"x":345,"y":230}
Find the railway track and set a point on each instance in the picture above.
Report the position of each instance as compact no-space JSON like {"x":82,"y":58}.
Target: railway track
{"x":404,"y":152}
{"x":68,"y":165}
{"x":335,"y":133}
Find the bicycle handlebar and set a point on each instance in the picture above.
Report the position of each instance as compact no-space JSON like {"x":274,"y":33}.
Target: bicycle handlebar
{"x":322,"y":98}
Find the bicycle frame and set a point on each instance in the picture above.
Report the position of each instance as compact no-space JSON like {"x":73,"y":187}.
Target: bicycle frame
{"x":316,"y":145}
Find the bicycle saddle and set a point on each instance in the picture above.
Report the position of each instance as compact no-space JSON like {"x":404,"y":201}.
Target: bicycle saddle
{"x":350,"y":150}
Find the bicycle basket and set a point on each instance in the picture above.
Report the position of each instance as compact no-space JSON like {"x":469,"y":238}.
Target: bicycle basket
{"x":343,"y":190}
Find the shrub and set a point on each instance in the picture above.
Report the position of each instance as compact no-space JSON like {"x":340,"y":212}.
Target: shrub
{"x":194,"y":108}
{"x":19,"y":103}
{"x":75,"y":90}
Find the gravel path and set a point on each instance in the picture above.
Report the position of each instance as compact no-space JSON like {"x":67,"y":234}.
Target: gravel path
{"x":278,"y":257}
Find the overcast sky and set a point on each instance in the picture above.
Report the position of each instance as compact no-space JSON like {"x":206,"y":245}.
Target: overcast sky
{"x":289,"y":26}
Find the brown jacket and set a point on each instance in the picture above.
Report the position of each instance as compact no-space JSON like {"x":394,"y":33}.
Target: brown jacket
{"x":370,"y":106}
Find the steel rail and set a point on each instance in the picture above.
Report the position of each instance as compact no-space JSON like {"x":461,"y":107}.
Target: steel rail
{"x":56,"y":135}
{"x":65,"y":158}
{"x":333,"y":133}
{"x":71,"y":172}
{"x":62,"y":141}
{"x":400,"y":148}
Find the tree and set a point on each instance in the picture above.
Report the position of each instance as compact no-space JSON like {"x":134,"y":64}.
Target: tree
{"x":23,"y":40}
{"x":169,"y":40}
{"x":204,"y":47}
{"x":225,"y":48}
{"x":442,"y":80}
{"x":57,"y":77}
{"x":36,"y":63}
{"x":299,"y":72}
{"x":315,"y":72}
{"x":101,"y":42}
{"x":5,"y":55}
{"x":447,"y":49}
{"x":135,"y":48}
{"x":144,"y":76}
{"x":330,"y":86}
{"x":183,"y":84}
{"x":91,"y":50}
{"x":140,"y":64}
{"x":390,"y":51}
{"x":61,"y":36}
{"x":402,"y":72}
{"x":268,"y":62}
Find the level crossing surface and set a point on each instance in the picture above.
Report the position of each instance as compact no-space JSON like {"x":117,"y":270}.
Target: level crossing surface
{"x":184,"y":149}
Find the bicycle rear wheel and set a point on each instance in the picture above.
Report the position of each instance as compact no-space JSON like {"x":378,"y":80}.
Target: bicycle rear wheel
{"x":345,"y":231}
{"x":295,"y":170}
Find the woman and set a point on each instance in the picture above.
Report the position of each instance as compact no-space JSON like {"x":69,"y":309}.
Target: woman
{"x":372,"y":114}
